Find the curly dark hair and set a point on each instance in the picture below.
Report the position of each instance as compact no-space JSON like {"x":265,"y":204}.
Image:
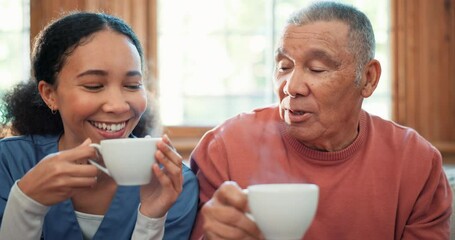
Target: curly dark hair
{"x":24,"y":110}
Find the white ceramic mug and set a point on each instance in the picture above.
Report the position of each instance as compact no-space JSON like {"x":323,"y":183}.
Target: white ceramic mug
{"x":283,"y":211}
{"x":128,"y":160}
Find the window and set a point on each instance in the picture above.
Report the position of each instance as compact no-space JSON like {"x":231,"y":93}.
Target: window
{"x":215,"y":58}
{"x":14,"y":43}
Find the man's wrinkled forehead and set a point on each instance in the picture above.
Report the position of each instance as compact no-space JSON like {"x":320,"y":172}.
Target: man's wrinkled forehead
{"x":306,"y":33}
{"x":313,"y":53}
{"x":303,"y":33}
{"x":314,"y":30}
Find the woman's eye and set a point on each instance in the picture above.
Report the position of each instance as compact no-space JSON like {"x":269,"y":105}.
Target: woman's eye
{"x":93,"y":87}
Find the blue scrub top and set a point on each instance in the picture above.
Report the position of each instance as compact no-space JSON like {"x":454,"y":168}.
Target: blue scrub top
{"x":19,"y":154}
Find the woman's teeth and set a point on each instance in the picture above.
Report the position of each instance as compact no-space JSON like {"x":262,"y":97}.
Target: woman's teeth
{"x":109,"y":127}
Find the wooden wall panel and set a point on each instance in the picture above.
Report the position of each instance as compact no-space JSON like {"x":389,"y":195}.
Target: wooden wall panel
{"x":141,"y":15}
{"x":423,"y":50}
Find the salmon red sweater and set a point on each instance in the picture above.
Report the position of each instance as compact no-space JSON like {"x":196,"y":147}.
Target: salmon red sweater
{"x":388,"y":184}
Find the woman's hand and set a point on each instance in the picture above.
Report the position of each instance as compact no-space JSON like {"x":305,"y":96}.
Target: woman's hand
{"x":166,"y":184}
{"x":57,"y":177}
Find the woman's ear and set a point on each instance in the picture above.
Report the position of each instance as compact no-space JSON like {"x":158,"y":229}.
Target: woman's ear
{"x":47,"y":92}
{"x":372,"y":74}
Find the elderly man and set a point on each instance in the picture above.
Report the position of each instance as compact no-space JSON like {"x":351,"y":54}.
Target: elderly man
{"x":377,"y":179}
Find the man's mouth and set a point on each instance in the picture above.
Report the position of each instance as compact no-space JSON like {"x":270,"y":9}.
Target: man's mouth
{"x":296,"y":112}
{"x":108,"y":127}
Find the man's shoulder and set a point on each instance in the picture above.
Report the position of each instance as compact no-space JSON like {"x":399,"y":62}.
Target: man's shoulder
{"x":258,"y":116}
{"x":247,"y":126}
{"x":394,"y":133}
{"x":391,"y":127}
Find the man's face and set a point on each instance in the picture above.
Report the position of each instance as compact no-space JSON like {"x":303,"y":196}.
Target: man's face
{"x":315,"y":81}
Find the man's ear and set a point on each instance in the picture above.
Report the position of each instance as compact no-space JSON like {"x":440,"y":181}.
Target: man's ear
{"x":47,"y":92}
{"x":371,"y":75}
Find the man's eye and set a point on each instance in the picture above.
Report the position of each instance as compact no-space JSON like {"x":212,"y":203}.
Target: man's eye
{"x":317,"y":70}
{"x":134,"y":86}
{"x":282,"y":68}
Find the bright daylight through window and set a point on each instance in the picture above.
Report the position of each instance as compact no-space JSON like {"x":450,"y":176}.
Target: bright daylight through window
{"x":215,"y":58}
{"x":14,"y":43}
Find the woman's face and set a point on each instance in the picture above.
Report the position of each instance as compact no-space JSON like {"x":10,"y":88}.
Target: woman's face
{"x":100,"y":92}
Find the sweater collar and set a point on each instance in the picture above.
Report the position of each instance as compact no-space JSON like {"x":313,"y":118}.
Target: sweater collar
{"x":330,"y":156}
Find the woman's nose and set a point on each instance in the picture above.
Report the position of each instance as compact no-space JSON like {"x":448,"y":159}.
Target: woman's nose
{"x":116,"y":102}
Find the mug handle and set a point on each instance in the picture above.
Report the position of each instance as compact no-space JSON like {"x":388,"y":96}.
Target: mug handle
{"x":94,"y":163}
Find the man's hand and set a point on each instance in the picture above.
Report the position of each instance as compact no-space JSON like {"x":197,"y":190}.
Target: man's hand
{"x":224,"y":215}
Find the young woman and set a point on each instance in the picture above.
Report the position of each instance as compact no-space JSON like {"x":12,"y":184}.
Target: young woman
{"x":88,"y":74}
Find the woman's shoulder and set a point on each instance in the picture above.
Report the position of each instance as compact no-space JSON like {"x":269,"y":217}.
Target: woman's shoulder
{"x":188,"y":175}
{"x":37,"y":145}
{"x":24,"y":140}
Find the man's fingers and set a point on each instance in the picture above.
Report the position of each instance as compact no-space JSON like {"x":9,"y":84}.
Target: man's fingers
{"x":229,"y":193}
{"x":228,"y":222}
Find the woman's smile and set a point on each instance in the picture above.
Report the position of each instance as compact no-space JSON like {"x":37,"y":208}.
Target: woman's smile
{"x":109,"y":127}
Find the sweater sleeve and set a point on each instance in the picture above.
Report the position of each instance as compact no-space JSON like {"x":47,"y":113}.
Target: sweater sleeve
{"x":181,"y":215}
{"x":148,"y":228}
{"x":22,"y":216}
{"x":430,"y":216}
{"x":208,"y":162}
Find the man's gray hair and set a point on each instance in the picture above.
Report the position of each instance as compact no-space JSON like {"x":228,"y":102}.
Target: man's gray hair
{"x":361,"y":35}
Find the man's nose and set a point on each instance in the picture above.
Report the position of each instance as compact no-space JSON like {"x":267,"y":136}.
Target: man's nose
{"x":296,"y":84}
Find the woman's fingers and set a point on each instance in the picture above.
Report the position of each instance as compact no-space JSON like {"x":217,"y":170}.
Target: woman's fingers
{"x":172,"y":162}
{"x":159,"y":195}
{"x":52,"y":180}
{"x":166,"y":147}
{"x":75,"y":162}
{"x":170,"y":170}
{"x":167,"y":140}
{"x":162,"y":178}
{"x":79,"y":182}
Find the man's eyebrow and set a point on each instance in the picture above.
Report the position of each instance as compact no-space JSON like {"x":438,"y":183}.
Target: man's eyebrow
{"x":280,"y":52}
{"x":324,"y":56}
{"x":312,"y":54}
